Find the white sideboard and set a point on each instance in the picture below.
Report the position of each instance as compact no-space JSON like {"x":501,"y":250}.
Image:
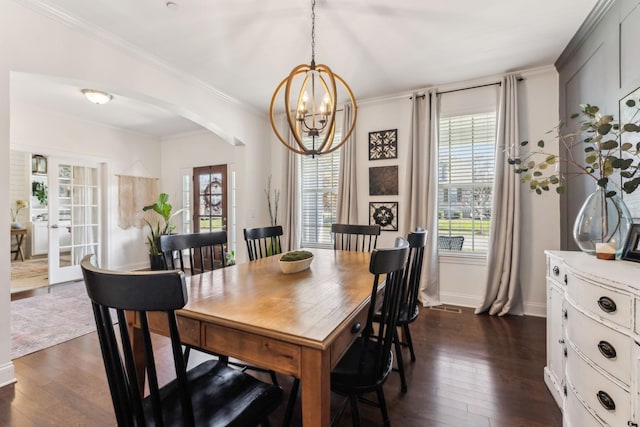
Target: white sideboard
{"x":593,"y":336}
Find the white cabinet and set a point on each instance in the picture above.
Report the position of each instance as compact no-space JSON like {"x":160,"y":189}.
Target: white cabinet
{"x":39,"y":237}
{"x":592,"y":334}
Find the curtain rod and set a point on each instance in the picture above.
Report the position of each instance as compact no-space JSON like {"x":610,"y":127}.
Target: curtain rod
{"x":467,"y":88}
{"x":134,"y":176}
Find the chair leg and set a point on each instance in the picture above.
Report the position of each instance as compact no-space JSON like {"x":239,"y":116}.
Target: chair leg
{"x":383,"y":407}
{"x":274,"y":379}
{"x":355,"y":411}
{"x":291,"y":403}
{"x":407,"y":333}
{"x":187,"y":352}
{"x":400,"y":361}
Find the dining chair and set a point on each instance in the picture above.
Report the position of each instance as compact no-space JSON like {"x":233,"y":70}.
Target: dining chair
{"x":354,"y":237}
{"x":205,"y":251}
{"x":367,"y":363}
{"x":263,"y":241}
{"x":450,"y":243}
{"x":208,"y":394}
{"x":409,"y":299}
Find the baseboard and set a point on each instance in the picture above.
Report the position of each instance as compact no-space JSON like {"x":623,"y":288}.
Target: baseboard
{"x":7,"y":374}
{"x":473,"y":301}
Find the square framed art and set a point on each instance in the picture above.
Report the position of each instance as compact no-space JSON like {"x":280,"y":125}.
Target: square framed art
{"x":383,"y":144}
{"x":383,"y":181}
{"x":384,"y":214}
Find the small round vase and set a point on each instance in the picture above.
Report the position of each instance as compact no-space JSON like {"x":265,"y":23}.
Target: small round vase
{"x":602,"y":219}
{"x":16,"y":225}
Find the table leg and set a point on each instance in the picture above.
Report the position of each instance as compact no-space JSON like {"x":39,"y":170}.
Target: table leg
{"x":316,"y":387}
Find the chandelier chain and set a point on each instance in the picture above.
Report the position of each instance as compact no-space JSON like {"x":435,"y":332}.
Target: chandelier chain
{"x":313,"y":32}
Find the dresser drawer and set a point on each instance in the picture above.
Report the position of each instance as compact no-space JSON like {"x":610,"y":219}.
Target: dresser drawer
{"x":608,"y":349}
{"x":576,"y":415}
{"x":598,"y":391}
{"x":602,"y":302}
{"x":556,"y":269}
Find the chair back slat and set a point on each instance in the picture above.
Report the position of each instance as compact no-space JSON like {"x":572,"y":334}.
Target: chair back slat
{"x":354,"y":237}
{"x":263,"y":241}
{"x":413,"y":273}
{"x":205,"y":251}
{"x":139,"y":292}
{"x":386,"y":264}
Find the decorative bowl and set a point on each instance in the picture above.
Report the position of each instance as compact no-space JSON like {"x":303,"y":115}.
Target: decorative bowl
{"x":288,"y":267}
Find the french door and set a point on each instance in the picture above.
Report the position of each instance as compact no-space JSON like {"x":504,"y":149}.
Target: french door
{"x":74,"y":217}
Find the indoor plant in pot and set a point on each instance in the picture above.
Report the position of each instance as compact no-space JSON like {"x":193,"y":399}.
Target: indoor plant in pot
{"x":608,"y":148}
{"x":163,"y":208}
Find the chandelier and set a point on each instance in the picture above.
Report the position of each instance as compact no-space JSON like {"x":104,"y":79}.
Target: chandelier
{"x":310,"y":99}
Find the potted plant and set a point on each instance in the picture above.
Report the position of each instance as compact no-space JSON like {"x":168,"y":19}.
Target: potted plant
{"x":163,"y":208}
{"x":20,"y":204}
{"x":604,"y":218}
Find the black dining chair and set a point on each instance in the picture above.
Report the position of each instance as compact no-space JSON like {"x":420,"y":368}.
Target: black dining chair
{"x":206,"y":252}
{"x":263,"y":241}
{"x":367,"y":363}
{"x":409,"y":299}
{"x":208,"y":394}
{"x":354,"y":237}
{"x":450,"y":243}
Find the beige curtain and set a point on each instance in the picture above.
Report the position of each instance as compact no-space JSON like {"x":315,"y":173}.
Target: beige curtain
{"x":502,"y":294}
{"x":422,"y":188}
{"x":134,"y":193}
{"x":347,"y":208}
{"x":291,"y":202}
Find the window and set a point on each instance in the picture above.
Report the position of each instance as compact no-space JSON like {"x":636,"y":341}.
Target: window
{"x":465,"y":178}
{"x":319,"y":196}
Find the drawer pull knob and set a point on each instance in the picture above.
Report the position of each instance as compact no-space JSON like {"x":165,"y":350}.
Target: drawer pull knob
{"x":556,"y":270}
{"x":606,"y":401}
{"x":607,"y":349}
{"x":356,"y":328}
{"x":607,"y":304}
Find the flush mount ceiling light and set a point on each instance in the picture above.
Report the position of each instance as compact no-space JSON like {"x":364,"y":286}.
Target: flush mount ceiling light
{"x":312,"y":118}
{"x":97,"y":96}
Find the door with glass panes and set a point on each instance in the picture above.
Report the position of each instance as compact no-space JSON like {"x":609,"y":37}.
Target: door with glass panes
{"x":210,"y":199}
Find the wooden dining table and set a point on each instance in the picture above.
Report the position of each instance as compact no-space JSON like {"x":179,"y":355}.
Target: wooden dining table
{"x":298,"y":324}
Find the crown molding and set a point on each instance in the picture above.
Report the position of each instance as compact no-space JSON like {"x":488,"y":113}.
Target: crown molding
{"x":586,"y":29}
{"x":45,"y":9}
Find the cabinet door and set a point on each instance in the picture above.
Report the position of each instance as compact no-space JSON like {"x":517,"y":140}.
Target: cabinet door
{"x":555,"y":340}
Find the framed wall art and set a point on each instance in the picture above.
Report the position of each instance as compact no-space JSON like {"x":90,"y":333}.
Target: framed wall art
{"x":383,"y":181}
{"x":384,"y":214}
{"x":631,"y":251}
{"x":383,"y":144}
{"x":627,"y":115}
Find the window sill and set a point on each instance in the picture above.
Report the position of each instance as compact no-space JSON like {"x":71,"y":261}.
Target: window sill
{"x":462,"y":258}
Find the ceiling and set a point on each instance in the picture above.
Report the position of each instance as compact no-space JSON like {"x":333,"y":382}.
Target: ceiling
{"x":244,"y":48}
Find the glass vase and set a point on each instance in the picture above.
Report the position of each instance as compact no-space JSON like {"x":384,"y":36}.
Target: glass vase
{"x":602,"y":219}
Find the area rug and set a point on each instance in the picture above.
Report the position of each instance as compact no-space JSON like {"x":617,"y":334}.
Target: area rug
{"x":45,"y":320}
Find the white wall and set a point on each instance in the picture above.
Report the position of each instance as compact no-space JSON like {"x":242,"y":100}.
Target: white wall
{"x":34,"y":43}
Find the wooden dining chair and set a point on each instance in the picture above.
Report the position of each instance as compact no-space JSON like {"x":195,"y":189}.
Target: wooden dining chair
{"x":203,"y":251}
{"x":263,"y":241}
{"x":208,"y":394}
{"x":354,"y":237}
{"x":367,"y":363}
{"x":409,"y":299}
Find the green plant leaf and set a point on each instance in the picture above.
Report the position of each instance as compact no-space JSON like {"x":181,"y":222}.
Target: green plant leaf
{"x":589,"y":149}
{"x":610,"y":194}
{"x":541,"y":144}
{"x":602,"y":182}
{"x":575,"y":115}
{"x":551,"y":159}
{"x":631,"y":127}
{"x":630,"y":103}
{"x":523,"y":143}
{"x":626,"y":146}
{"x":542,"y":166}
{"x":609,"y":145}
{"x":554,"y":179}
{"x":537,"y":173}
{"x":560,"y":190}
{"x":591,"y":158}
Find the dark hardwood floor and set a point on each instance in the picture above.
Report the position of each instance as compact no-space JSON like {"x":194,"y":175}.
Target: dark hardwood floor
{"x":472,"y":370}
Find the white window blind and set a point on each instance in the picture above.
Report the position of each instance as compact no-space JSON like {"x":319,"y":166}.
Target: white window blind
{"x":319,"y":197}
{"x":465,"y":179}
